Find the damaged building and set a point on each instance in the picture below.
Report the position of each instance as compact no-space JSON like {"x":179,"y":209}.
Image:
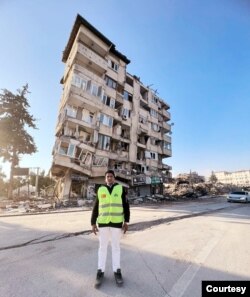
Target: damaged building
{"x":107,"y":119}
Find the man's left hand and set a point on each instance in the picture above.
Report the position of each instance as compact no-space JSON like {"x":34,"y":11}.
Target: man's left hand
{"x":125,"y":227}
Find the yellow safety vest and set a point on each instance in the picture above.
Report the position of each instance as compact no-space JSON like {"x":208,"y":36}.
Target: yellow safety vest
{"x":110,"y":205}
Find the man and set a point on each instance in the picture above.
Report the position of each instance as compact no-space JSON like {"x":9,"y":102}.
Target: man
{"x":111,"y":212}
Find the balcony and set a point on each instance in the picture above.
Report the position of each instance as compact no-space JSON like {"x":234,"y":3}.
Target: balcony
{"x":166,"y":126}
{"x":123,"y":173}
{"x":66,"y":161}
{"x":143,"y":128}
{"x":167,"y":152}
{"x":99,"y":171}
{"x":90,"y":58}
{"x":166,"y":114}
{"x":167,"y":138}
{"x":81,"y":98}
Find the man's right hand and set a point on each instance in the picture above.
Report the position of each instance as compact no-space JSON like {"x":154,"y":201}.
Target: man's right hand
{"x":94,"y":229}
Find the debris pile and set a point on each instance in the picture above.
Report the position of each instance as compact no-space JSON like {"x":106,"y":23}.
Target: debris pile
{"x":185,"y":189}
{"x":23,"y":205}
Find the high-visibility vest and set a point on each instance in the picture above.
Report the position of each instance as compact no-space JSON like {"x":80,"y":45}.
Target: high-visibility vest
{"x":110,"y":205}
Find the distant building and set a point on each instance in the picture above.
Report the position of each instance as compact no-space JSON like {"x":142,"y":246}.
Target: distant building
{"x":239,"y":178}
{"x":192,"y":177}
{"x":107,"y":119}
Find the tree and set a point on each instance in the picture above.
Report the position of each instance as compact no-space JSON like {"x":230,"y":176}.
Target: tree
{"x":14,"y":119}
{"x":213,"y":179}
{"x":2,"y":183}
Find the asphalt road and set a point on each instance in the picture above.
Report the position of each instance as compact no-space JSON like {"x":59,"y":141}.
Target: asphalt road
{"x":168,"y":251}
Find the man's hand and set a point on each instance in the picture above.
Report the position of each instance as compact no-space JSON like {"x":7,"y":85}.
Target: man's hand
{"x":125,"y":227}
{"x":94,"y":229}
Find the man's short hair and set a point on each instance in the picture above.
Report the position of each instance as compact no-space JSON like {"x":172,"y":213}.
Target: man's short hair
{"x":110,"y":171}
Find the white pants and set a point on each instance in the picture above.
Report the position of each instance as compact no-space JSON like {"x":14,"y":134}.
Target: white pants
{"x":105,"y":234}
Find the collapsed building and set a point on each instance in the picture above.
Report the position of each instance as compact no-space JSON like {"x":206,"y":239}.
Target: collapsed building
{"x":107,"y":120}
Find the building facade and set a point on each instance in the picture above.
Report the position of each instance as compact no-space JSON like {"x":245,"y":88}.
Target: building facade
{"x":107,"y":120}
{"x":238,"y":178}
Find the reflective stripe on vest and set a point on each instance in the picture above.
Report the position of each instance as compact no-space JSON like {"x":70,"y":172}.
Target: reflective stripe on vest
{"x":110,"y":205}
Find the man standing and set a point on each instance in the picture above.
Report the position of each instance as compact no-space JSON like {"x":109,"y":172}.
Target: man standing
{"x":111,"y":212}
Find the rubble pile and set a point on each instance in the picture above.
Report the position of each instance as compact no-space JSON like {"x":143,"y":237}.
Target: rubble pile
{"x":186,"y":189}
{"x":20,"y":205}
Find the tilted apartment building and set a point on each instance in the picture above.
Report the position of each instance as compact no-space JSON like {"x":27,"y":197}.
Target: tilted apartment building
{"x":107,"y":120}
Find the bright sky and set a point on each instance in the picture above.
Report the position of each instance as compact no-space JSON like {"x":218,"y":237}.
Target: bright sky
{"x":196,"y":53}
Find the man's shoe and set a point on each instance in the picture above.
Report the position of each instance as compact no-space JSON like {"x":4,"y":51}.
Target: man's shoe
{"x":99,"y":278}
{"x":118,"y":277}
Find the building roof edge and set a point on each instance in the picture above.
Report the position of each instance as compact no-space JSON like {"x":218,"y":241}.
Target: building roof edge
{"x":81,"y":21}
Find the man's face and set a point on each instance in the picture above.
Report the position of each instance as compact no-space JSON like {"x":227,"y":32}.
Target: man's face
{"x":110,"y":179}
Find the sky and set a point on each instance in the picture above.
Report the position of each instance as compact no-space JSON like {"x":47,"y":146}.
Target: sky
{"x":195,"y":53}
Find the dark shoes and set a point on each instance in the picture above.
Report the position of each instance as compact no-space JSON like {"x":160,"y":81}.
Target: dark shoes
{"x":99,"y":278}
{"x":118,"y":277}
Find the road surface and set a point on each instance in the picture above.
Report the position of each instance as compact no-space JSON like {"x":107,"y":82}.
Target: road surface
{"x":168,"y":251}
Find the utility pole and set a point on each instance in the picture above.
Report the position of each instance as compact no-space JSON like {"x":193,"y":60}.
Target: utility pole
{"x":37,"y":177}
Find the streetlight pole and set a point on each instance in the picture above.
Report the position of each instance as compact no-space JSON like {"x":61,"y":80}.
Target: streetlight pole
{"x":37,"y":177}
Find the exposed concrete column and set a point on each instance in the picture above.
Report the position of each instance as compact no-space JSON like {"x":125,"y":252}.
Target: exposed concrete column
{"x":66,"y":185}
{"x":135,"y":121}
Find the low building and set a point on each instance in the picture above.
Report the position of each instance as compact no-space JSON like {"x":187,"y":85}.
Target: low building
{"x":238,"y":178}
{"x":107,"y":120}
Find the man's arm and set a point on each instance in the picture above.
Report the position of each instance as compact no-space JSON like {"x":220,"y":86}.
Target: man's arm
{"x":125,"y":204}
{"x":126,"y":210}
{"x":94,"y":216}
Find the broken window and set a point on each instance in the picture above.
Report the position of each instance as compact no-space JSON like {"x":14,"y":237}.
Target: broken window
{"x":100,"y":161}
{"x":129,"y":81}
{"x":113,"y":65}
{"x":127,"y":96}
{"x":144,"y":93}
{"x":107,"y":100}
{"x":67,"y":149}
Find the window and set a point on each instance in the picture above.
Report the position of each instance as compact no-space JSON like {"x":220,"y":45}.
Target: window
{"x":125,"y":113}
{"x":87,"y":116}
{"x":142,"y":119}
{"x":154,"y":99}
{"x":68,"y":131}
{"x":71,"y":111}
{"x":166,"y":145}
{"x":67,"y":149}
{"x":155,"y":127}
{"x":108,"y":101}
{"x":154,"y":155}
{"x":113,"y":65}
{"x":71,"y":150}
{"x":154,"y":113}
{"x":129,"y":81}
{"x":103,"y":142}
{"x":106,"y":120}
{"x":79,"y":82}
{"x":110,"y":82}
{"x":127,"y":96}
